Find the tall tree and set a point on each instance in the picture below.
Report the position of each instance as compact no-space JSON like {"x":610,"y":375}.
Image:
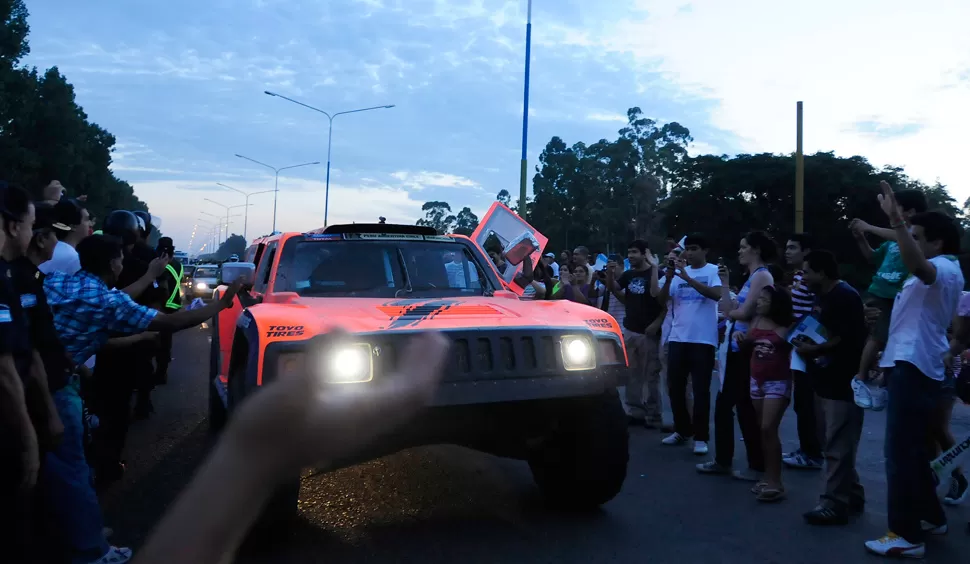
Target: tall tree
{"x":438,"y":215}
{"x":44,"y":134}
{"x":233,"y":245}
{"x":465,"y":222}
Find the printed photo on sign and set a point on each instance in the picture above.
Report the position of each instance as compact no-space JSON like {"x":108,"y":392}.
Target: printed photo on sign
{"x":503,"y":232}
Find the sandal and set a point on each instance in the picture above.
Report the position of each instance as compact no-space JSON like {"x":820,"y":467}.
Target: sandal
{"x":758,"y":488}
{"x":768,"y":495}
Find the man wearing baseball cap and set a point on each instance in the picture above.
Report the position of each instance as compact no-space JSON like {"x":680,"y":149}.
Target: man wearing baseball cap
{"x":71,"y":223}
{"x":549,"y":259}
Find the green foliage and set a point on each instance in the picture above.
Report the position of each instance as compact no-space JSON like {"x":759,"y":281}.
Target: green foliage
{"x":438,"y":215}
{"x":234,"y":245}
{"x":45,"y":135}
{"x":644,"y":185}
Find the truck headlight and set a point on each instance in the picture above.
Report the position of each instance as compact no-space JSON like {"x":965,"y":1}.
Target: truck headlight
{"x":201,"y":286}
{"x":577,"y":353}
{"x":350,"y":363}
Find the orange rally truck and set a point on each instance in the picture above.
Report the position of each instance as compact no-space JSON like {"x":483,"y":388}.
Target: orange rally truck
{"x":533,"y":380}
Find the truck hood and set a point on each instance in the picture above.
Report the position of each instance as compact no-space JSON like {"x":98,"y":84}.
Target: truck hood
{"x":367,"y":315}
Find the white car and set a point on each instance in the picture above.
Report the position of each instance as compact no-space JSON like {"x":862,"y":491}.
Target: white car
{"x":204,"y":280}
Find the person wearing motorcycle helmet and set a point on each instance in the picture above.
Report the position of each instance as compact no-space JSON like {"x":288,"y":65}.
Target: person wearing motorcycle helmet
{"x":123,"y":225}
{"x":156,"y":297}
{"x":146,"y":218}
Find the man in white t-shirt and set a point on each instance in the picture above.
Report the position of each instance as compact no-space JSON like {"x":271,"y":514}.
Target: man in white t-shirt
{"x":692,"y":294}
{"x":71,"y":224}
{"x":915,"y":352}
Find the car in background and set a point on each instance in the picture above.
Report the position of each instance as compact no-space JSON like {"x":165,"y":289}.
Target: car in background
{"x":188,"y":280}
{"x":205,"y":279}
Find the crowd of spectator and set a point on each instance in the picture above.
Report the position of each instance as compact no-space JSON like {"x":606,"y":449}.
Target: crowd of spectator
{"x":80,"y":318}
{"x":684,"y":326}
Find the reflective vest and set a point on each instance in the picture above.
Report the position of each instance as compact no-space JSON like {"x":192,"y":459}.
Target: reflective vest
{"x":171,"y":303}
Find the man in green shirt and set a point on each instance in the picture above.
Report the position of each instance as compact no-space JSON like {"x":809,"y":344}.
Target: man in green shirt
{"x":889,"y":276}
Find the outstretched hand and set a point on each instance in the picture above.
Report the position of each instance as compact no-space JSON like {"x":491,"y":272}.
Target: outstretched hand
{"x":302,"y":420}
{"x":888,"y":203}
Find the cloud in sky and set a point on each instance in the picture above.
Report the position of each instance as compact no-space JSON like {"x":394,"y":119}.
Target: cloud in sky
{"x":884,"y":79}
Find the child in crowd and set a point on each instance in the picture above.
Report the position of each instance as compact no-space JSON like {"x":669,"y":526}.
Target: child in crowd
{"x":771,"y":381}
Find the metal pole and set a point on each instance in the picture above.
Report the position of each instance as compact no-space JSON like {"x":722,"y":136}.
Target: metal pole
{"x":246,"y":220}
{"x":799,"y":175}
{"x":326,"y":193}
{"x":276,"y":194}
{"x":525,"y":113}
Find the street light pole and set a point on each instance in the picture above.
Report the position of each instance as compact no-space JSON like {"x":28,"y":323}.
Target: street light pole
{"x":227,"y":208}
{"x":276,"y":185}
{"x":246,"y":216}
{"x":523,"y":172}
{"x":330,"y":118}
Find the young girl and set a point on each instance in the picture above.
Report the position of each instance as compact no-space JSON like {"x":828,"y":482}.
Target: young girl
{"x":771,"y":380}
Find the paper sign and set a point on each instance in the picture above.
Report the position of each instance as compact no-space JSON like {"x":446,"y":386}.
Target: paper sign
{"x":722,"y":353}
{"x":502,"y":228}
{"x":951,"y":459}
{"x":797,"y":362}
{"x":600,"y":263}
{"x":808,"y":329}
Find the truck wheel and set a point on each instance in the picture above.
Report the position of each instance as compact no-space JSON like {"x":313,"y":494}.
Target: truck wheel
{"x":217,"y":411}
{"x":582,"y":465}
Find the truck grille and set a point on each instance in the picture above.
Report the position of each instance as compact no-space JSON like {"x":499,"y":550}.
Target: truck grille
{"x":489,"y":355}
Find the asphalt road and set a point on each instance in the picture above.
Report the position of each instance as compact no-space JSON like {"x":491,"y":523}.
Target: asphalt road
{"x":446,"y":504}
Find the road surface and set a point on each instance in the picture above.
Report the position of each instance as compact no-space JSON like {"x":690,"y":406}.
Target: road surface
{"x":447,"y":504}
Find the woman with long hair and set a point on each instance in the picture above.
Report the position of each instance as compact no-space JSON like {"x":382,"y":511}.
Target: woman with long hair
{"x":755,"y":253}
{"x":771,"y":380}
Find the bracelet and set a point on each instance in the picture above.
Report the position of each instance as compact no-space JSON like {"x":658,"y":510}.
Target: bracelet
{"x":898,"y":225}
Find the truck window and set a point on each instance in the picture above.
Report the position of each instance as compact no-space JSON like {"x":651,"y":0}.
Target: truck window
{"x":265,"y":267}
{"x":380,"y":268}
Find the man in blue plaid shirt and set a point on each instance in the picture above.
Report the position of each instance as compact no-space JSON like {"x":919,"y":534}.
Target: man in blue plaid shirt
{"x":87,"y":311}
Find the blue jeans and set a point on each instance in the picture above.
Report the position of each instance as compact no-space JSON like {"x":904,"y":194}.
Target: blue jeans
{"x":73,"y":504}
{"x":913,"y":397}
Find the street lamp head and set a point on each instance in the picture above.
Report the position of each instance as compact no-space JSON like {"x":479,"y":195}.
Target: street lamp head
{"x":315,"y":162}
{"x":268,"y":93}
{"x":389,"y":107}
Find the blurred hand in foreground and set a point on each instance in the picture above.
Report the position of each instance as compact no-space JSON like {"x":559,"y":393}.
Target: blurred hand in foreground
{"x":295,"y":422}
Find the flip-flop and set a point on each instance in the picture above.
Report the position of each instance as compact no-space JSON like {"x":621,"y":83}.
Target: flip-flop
{"x":769,"y":495}
{"x":759,"y":487}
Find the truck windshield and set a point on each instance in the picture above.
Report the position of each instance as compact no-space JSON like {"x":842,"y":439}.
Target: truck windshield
{"x":206,"y":272}
{"x":379,"y":269}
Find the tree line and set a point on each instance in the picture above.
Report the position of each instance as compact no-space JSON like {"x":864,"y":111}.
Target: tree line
{"x":44,"y":134}
{"x":643,"y":184}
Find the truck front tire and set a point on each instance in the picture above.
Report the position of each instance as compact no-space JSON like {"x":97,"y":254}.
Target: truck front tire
{"x":583,"y":463}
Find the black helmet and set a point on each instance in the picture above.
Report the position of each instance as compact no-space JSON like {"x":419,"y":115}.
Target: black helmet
{"x":123,"y":225}
{"x":147,"y":218}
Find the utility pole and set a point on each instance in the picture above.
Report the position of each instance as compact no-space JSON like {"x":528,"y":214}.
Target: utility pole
{"x":799,"y":175}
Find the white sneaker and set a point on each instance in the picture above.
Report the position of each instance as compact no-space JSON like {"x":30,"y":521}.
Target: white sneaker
{"x":674,"y":440}
{"x":894,"y":545}
{"x":700,"y":447}
{"x":114,"y":555}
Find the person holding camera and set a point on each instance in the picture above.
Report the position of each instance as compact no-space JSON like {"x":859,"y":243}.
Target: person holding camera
{"x":691,"y":293}
{"x":642,"y":320}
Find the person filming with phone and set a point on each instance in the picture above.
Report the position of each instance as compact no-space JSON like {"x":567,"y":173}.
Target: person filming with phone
{"x":642,"y":320}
